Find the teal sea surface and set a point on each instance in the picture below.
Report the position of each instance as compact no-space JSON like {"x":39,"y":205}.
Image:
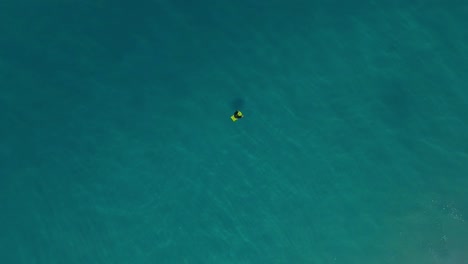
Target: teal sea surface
{"x":116,"y":143}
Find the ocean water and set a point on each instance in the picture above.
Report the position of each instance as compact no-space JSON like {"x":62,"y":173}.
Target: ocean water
{"x":116,"y":144}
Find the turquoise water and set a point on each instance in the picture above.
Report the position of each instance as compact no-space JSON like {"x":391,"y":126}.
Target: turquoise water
{"x":116,"y":144}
